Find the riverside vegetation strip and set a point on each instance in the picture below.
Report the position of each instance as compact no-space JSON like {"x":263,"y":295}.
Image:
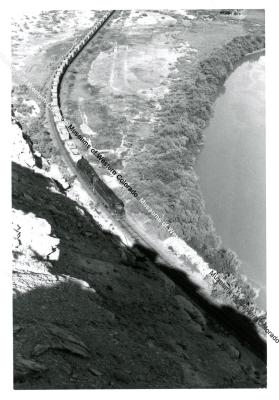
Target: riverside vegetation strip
{"x":184,"y":114}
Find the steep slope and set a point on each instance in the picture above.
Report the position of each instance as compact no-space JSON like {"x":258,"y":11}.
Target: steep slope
{"x":89,"y":314}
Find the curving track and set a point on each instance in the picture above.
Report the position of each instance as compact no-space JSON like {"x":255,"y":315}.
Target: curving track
{"x":62,"y":136}
{"x":131,"y":230}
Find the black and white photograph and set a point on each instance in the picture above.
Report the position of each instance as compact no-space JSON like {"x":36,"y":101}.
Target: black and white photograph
{"x":138,"y":198}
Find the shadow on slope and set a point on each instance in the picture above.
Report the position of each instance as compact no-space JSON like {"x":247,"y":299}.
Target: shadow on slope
{"x":112,"y":321}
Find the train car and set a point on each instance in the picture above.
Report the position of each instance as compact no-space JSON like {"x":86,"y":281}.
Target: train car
{"x":87,"y":170}
{"x":63,"y":132}
{"x":54,"y":93}
{"x":56,"y":111}
{"x":57,"y":118}
{"x":72,"y":151}
{"x":56,"y":114}
{"x":54,"y":85}
{"x":110,"y":200}
{"x":54,"y":102}
{"x":59,"y":71}
{"x":56,"y":80}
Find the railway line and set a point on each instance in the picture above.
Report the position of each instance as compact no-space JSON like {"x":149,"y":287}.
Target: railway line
{"x":63,"y":136}
{"x":72,"y":157}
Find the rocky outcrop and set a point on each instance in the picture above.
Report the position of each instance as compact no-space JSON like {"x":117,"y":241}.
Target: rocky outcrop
{"x":25,"y":367}
{"x":62,"y":339}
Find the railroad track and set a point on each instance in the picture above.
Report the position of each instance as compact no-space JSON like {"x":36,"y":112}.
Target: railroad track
{"x":71,"y":156}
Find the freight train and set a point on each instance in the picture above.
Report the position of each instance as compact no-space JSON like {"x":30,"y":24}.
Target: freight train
{"x":109,"y":198}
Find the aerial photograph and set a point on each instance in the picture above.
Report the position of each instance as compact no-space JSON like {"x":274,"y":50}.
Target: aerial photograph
{"x":139,"y":199}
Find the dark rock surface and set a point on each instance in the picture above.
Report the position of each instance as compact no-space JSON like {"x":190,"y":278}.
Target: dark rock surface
{"x":97,"y":317}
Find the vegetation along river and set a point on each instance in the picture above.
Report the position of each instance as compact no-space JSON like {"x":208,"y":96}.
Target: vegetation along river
{"x":231,"y":168}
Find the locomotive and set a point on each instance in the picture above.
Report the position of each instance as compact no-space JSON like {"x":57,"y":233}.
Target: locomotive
{"x":109,"y":198}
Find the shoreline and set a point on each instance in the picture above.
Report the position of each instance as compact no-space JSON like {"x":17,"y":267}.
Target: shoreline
{"x":201,"y":171}
{"x":196,"y":99}
{"x":238,"y":63}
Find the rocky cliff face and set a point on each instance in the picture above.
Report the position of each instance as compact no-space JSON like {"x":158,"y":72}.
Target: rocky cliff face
{"x":89,"y":314}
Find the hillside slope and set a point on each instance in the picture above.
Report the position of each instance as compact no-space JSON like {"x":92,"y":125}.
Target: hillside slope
{"x":89,"y":314}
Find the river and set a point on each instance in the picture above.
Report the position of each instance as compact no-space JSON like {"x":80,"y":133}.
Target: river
{"x":231,"y":168}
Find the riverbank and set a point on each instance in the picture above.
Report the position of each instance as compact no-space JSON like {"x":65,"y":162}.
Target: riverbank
{"x":232,"y":164}
{"x":151,"y":79}
{"x":184,"y":115}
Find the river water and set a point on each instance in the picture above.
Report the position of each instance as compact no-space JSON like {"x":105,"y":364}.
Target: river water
{"x":231,"y":168}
